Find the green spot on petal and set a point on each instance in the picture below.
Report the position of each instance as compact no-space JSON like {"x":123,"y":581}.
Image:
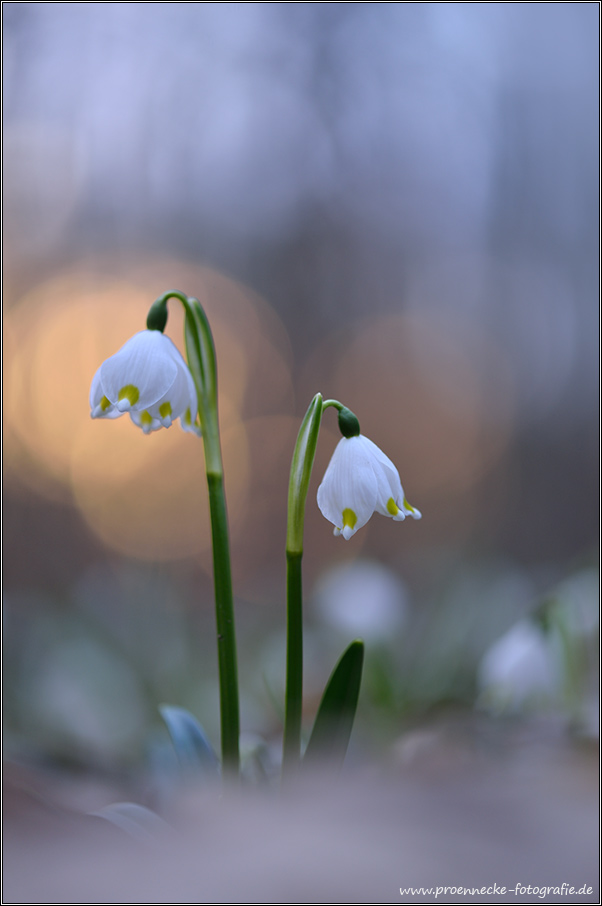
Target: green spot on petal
{"x":392,"y":507}
{"x":349,"y":519}
{"x":146,"y":418}
{"x":105,"y":403}
{"x":407,"y":506}
{"x":129,"y":393}
{"x":165,"y":410}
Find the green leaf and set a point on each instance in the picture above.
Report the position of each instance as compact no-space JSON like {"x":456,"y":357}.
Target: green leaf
{"x":190,"y":741}
{"x":301,"y":466}
{"x":334,"y":720}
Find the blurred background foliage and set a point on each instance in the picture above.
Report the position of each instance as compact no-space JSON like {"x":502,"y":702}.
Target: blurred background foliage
{"x":394,"y":204}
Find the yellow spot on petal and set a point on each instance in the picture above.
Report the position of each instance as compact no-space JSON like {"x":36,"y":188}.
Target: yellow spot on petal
{"x":187,"y":417}
{"x":105,"y":403}
{"x":130,"y":393}
{"x":408,"y":506}
{"x":349,"y":518}
{"x":392,"y":507}
{"x":146,"y":418}
{"x":165,"y":410}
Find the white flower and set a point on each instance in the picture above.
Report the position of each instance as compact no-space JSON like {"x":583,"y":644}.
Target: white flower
{"x":341,"y":594}
{"x":149,"y":379}
{"x":359,"y":480}
{"x":521,"y":668}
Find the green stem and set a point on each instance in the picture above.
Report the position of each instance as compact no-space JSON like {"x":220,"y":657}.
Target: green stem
{"x":224,"y":615}
{"x":301,"y":466}
{"x":294,"y":663}
{"x":201,"y":361}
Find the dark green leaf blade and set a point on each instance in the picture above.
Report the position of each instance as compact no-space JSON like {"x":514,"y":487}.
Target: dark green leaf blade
{"x":334,"y":720}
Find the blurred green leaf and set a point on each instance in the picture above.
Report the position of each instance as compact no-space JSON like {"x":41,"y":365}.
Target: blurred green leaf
{"x":334,"y":720}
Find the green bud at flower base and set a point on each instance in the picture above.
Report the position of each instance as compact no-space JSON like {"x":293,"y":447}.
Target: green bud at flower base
{"x":157,"y":316}
{"x":349,"y":425}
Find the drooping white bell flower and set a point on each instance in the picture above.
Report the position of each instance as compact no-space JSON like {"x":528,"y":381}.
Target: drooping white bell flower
{"x":149,"y":379}
{"x":359,"y":480}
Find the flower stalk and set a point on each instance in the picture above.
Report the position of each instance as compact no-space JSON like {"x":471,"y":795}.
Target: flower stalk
{"x":202,"y":363}
{"x":301,"y":466}
{"x":359,"y":480}
{"x":149,"y":379}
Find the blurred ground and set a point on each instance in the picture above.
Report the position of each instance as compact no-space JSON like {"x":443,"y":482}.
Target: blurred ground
{"x":456,"y":812}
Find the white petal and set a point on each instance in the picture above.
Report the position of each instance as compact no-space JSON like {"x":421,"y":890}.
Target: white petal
{"x":390,"y":486}
{"x":96,"y":391}
{"x":378,"y":454}
{"x":189,"y":424}
{"x":348,"y":484}
{"x":386,"y":480}
{"x":142,"y":420}
{"x":146,"y":362}
{"x":180,"y":396}
{"x":388,"y":491}
{"x":96,"y":397}
{"x":111,"y":412}
{"x":177,"y":357}
{"x":410,"y":510}
{"x":387,"y":477}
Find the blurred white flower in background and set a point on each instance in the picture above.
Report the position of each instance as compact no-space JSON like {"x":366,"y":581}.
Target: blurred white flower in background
{"x":363,"y":599}
{"x":522,"y":669}
{"x":578,"y":598}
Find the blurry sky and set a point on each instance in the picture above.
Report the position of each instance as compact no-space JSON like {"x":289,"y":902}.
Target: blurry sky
{"x":395,"y":204}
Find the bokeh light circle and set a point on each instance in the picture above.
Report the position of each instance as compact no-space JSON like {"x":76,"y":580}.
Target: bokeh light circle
{"x":143,"y":496}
